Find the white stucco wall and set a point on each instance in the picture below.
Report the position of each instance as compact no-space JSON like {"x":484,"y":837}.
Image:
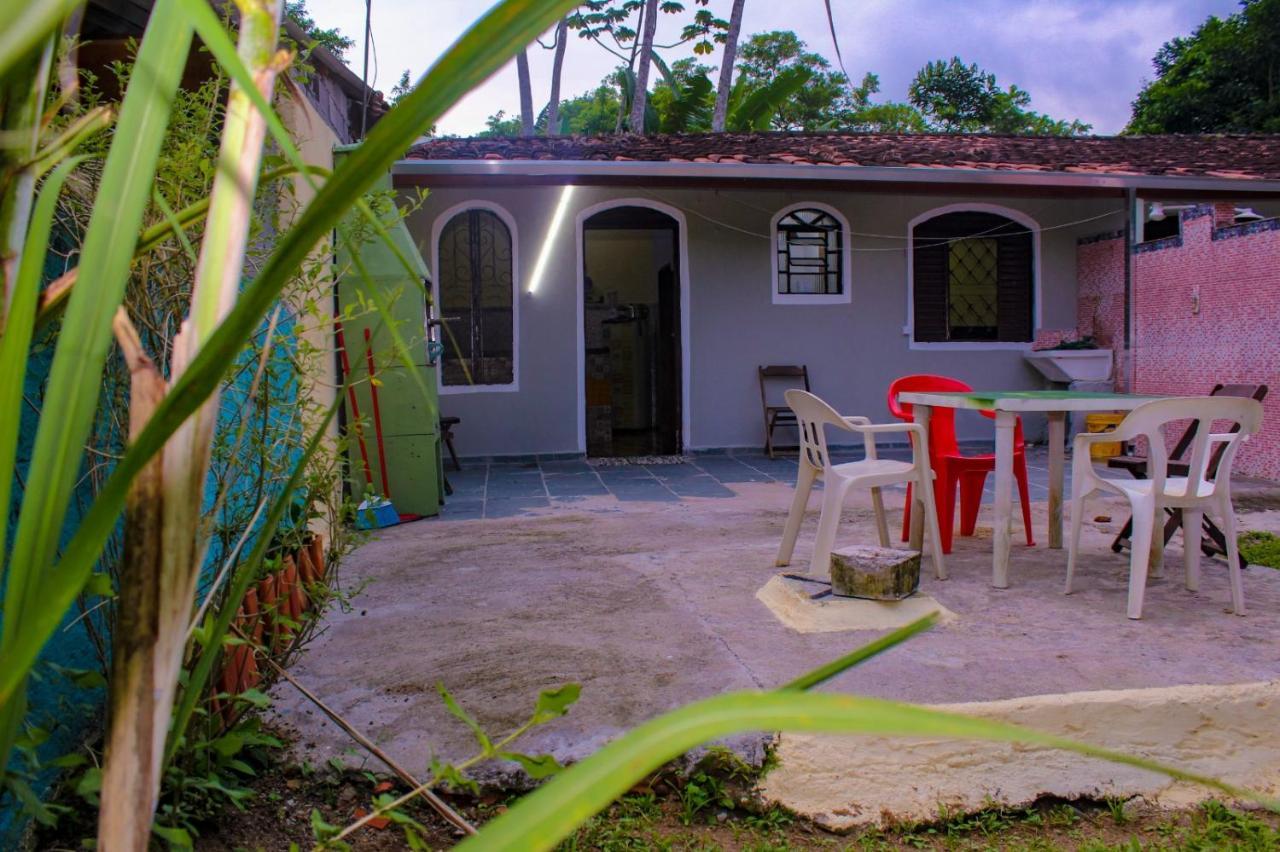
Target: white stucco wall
{"x":853,"y":350}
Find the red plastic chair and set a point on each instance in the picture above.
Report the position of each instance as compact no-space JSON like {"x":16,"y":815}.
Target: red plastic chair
{"x":953,"y":470}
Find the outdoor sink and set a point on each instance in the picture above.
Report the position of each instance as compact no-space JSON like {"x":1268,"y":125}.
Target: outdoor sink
{"x":1072,"y":365}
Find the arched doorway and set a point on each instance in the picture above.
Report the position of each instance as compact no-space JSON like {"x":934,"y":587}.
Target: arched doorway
{"x":631,"y":332}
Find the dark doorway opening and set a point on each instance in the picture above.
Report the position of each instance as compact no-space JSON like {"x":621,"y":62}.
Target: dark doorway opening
{"x":631,"y":316}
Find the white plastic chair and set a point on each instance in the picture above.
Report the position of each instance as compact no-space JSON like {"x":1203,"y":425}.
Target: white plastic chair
{"x":1193,"y":494}
{"x":871,"y":472}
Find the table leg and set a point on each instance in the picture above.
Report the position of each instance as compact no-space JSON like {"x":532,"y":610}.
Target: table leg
{"x":1057,"y":451}
{"x":1005,"y":421}
{"x":920,"y":414}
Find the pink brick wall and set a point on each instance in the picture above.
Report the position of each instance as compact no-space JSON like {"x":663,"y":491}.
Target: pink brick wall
{"x":1232,"y":276}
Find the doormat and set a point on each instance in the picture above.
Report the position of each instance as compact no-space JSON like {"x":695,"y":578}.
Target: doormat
{"x":620,"y":461}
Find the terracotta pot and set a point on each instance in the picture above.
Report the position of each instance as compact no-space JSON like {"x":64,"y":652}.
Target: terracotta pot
{"x":316,"y":545}
{"x":290,"y":588}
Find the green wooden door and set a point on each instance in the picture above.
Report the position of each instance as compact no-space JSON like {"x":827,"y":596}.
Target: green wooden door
{"x":407,"y":394}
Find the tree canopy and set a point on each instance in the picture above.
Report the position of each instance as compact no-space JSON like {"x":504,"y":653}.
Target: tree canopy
{"x":1224,"y":77}
{"x":782,"y":85}
{"x":956,"y":98}
{"x":331,"y":39}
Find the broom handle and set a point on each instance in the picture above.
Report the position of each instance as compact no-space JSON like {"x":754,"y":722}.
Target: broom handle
{"x":351,"y":395}
{"x":377,"y":416}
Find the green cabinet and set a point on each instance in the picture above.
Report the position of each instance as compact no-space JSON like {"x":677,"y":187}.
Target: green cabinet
{"x":407,"y":394}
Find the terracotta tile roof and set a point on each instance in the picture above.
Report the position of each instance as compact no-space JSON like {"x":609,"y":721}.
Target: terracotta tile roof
{"x":1223,"y":156}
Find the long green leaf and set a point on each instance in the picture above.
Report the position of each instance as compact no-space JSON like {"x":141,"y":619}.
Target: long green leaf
{"x":759,"y":105}
{"x":75,"y":375}
{"x":215,"y":38}
{"x":824,"y":673}
{"x":481,"y":51}
{"x":551,"y":813}
{"x":26,"y":24}
{"x":15,"y":342}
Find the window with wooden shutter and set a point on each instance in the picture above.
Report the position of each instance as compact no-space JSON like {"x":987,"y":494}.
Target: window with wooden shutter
{"x":476,"y":286}
{"x":972,"y":279}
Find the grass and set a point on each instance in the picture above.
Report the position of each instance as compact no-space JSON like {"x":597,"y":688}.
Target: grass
{"x":643,"y":822}
{"x":1261,"y":548}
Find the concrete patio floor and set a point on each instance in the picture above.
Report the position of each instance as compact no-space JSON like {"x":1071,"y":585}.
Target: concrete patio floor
{"x":650,"y":604}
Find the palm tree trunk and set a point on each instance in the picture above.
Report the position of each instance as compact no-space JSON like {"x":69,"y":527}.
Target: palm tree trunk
{"x":640,"y":98}
{"x":726,"y":67}
{"x":557,"y":64}
{"x":526,"y":93}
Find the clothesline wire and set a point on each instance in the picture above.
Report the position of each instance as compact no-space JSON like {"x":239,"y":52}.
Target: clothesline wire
{"x":932,"y":241}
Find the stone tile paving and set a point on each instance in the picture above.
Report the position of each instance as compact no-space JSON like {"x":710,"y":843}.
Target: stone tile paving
{"x":510,"y":487}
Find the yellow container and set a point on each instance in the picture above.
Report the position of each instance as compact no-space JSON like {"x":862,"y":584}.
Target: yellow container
{"x":1095,"y":423}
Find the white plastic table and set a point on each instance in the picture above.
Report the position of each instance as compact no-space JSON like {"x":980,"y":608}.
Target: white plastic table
{"x":1007,"y":405}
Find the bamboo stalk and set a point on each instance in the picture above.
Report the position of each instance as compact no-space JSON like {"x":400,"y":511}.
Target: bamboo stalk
{"x":133,"y":753}
{"x":164,"y":532}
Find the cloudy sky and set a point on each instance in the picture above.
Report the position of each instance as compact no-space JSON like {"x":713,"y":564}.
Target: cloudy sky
{"x":1081,"y":59}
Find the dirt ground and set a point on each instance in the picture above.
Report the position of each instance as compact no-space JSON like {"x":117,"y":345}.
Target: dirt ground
{"x":651,"y":606}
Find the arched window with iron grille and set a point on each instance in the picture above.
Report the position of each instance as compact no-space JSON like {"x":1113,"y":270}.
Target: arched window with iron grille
{"x":476,"y":291}
{"x":810,"y":246}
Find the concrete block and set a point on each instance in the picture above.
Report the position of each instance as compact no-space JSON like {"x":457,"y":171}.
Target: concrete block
{"x":876,"y":573}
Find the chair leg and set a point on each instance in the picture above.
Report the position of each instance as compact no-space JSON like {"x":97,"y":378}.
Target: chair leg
{"x":1073,"y":542}
{"x":768,"y":438}
{"x":1144,"y":521}
{"x":1233,"y":556}
{"x":946,"y":506}
{"x":1020,"y":474}
{"x":453,"y":454}
{"x":1122,"y":538}
{"x":933,"y":528}
{"x":833,"y":494}
{"x":1191,"y":523}
{"x":882,"y":525}
{"x":1155,"y":560}
{"x":805,"y":476}
{"x":906,"y":516}
{"x":971,"y":485}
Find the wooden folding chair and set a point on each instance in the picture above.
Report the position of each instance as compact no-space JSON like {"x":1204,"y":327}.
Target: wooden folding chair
{"x":779,"y":378}
{"x":1214,"y":542}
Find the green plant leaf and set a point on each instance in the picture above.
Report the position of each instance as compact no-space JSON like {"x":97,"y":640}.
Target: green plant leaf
{"x":549,"y":814}
{"x":486,"y":745}
{"x":537,"y":766}
{"x":177,"y":838}
{"x":758,"y":106}
{"x":554,"y":703}
{"x":15,"y":339}
{"x":26,"y":24}
{"x":824,"y":673}
{"x":481,"y":51}
{"x":37,"y":596}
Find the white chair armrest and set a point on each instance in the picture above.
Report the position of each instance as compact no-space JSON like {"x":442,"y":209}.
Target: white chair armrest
{"x":878,"y":428}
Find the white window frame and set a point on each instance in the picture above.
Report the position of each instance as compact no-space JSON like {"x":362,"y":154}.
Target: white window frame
{"x":437,"y":229}
{"x":974,"y":207}
{"x":845,"y":296}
